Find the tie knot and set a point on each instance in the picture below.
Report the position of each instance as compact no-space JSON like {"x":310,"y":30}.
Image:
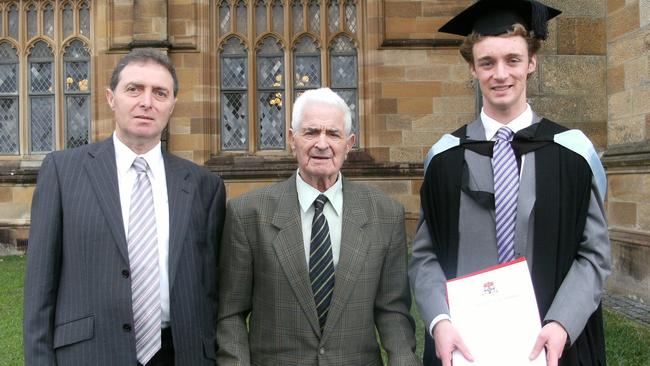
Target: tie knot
{"x":140,"y":165}
{"x":504,"y":134}
{"x":320,"y":202}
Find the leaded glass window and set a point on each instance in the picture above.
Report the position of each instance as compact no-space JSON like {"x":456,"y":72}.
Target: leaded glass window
{"x":306,"y":60}
{"x":260,"y":17}
{"x":314,"y":16}
{"x":298,"y":25}
{"x":350,"y":16}
{"x":234,"y":95}
{"x":9,"y":127}
{"x":319,"y":49}
{"x":277,"y":14}
{"x":76,"y":78}
{"x":343,"y":75}
{"x":270,"y":95}
{"x":68,"y":21}
{"x":41,"y":98}
{"x":48,"y":20}
{"x":84,"y":19}
{"x":242,"y":18}
{"x":224,"y":17}
{"x":32,"y":20}
{"x":13,"y":21}
{"x":333,"y":14}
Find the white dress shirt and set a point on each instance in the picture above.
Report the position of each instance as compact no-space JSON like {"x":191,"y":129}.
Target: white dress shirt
{"x":333,"y":211}
{"x":491,"y":127}
{"x":126,"y":177}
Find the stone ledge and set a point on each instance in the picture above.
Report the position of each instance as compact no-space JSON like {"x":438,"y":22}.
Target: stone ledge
{"x":628,"y":155}
{"x":9,"y":175}
{"x":359,"y":165}
{"x":633,"y":237}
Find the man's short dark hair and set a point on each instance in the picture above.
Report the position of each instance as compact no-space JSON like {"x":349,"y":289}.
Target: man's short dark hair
{"x":144,"y":55}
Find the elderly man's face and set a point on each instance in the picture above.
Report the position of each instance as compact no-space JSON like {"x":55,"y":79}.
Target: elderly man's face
{"x":320,"y":145}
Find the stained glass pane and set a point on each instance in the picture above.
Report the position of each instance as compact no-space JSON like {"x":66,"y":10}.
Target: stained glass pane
{"x":233,"y":47}
{"x":31,"y":22}
{"x":296,"y":10}
{"x":84,"y":19}
{"x":8,"y":125}
{"x":270,"y":72}
{"x":76,"y":77}
{"x":233,"y":72}
{"x":333,"y":16}
{"x":271,"y":120}
{"x":8,"y":78}
{"x":41,"y":51}
{"x":13,"y":22}
{"x":77,"y":50}
{"x":2,"y":25}
{"x":260,"y":18}
{"x":48,"y":20}
{"x":234,"y":121}
{"x":241,"y":18}
{"x":351,"y":16}
{"x":224,"y":18}
{"x":314,"y":16}
{"x":307,"y":72}
{"x":343,"y":64}
{"x":68,"y":25}
{"x":41,"y":77}
{"x":42,"y":123}
{"x":278,"y":17}
{"x":77,"y":113}
{"x":350,"y":98}
{"x":306,"y":45}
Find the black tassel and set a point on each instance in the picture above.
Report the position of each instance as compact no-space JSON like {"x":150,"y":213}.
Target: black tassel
{"x":539,"y":19}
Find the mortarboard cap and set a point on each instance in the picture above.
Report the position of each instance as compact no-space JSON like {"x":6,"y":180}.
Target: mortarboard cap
{"x":494,"y":17}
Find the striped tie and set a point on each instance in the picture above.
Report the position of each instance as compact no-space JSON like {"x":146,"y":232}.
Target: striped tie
{"x":506,"y":188}
{"x":143,"y":257}
{"x":321,"y":265}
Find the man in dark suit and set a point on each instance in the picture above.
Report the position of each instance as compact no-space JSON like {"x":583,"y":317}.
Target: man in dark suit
{"x":318,"y":262}
{"x":122,"y":254}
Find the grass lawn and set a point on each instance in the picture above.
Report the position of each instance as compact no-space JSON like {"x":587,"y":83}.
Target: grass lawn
{"x":628,"y":344}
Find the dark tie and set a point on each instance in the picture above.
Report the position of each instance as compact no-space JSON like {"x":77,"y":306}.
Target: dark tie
{"x":143,"y":258}
{"x":506,"y":189}
{"x":321,"y":265}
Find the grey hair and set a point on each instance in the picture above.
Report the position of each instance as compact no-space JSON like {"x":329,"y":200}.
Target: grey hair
{"x":320,"y":96}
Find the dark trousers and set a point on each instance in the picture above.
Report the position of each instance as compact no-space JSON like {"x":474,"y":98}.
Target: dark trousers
{"x":164,"y":356}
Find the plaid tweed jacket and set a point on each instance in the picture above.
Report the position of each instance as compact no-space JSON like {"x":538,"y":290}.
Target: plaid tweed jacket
{"x":264,"y":275}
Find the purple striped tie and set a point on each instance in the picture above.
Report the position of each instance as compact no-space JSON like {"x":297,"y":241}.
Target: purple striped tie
{"x":506,"y":188}
{"x":143,"y":257}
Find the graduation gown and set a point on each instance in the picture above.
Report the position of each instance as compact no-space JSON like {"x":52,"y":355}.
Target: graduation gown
{"x":552,"y":233}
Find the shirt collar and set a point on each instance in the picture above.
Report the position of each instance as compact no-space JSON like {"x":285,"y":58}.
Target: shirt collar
{"x":520,"y":122}
{"x":308,"y":194}
{"x":124,"y":157}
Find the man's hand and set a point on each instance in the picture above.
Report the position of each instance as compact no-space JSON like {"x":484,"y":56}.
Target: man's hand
{"x":553,"y":337}
{"x":447,"y":340}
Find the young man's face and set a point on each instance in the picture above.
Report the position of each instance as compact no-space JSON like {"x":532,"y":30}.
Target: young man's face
{"x":502,"y":65}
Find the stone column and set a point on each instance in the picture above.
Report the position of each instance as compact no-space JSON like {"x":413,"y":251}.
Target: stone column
{"x":150,"y":24}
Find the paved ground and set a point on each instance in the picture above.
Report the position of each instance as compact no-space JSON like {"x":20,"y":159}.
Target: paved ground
{"x":630,"y":308}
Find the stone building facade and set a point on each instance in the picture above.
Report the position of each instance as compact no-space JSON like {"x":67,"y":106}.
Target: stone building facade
{"x":407,"y":83}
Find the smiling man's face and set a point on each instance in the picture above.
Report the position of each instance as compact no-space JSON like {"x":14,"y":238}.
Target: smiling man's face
{"x":142,"y":102}
{"x":320,"y":145}
{"x":502,"y":65}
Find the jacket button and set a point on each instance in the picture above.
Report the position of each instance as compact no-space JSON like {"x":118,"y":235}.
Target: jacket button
{"x":125,"y":273}
{"x":126,"y":327}
{"x":321,"y":351}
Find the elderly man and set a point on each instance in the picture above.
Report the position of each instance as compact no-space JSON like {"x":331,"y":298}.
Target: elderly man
{"x":121,"y":262}
{"x":512,"y":184}
{"x":316,"y":261}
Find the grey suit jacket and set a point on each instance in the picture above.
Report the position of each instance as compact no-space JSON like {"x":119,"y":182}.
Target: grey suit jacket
{"x":264,"y":274}
{"x":77,"y":307}
{"x":581,"y":289}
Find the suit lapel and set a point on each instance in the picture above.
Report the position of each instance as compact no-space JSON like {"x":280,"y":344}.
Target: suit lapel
{"x":102,"y":172}
{"x":290,"y":251}
{"x":179,"y":193}
{"x":354,"y":249}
